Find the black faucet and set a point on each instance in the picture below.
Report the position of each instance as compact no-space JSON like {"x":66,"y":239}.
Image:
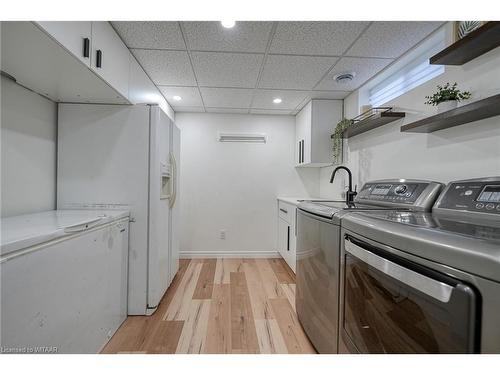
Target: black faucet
{"x":350,"y":194}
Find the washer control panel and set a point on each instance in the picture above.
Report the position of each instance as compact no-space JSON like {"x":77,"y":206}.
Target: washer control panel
{"x":406,"y":193}
{"x":478,"y":195}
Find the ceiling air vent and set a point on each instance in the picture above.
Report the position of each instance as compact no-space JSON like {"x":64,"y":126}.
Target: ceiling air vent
{"x":242,"y":137}
{"x":344,"y":77}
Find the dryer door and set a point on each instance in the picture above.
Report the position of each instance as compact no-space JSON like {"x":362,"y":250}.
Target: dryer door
{"x":392,"y":305}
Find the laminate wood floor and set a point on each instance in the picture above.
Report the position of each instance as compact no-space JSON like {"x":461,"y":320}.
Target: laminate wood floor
{"x":220,"y":306}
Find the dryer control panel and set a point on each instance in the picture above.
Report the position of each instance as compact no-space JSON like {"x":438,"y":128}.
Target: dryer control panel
{"x":478,"y":195}
{"x":414,"y":194}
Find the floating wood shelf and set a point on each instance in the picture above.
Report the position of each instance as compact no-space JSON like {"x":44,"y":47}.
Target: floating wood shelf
{"x":478,"y":110}
{"x":372,"y":122}
{"x":478,"y":42}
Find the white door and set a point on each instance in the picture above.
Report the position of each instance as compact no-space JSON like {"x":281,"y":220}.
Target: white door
{"x":72,"y":35}
{"x":175,"y":155}
{"x":159,"y":244}
{"x":284,"y":233}
{"x":110,"y":57}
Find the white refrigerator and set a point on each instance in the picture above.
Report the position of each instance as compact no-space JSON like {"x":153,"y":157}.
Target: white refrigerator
{"x":113,"y":157}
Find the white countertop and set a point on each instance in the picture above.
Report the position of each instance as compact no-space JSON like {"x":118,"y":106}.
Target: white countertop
{"x":23,"y":231}
{"x":296,"y":200}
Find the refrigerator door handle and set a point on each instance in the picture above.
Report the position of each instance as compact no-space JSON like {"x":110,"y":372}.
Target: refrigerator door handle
{"x":83,"y":226}
{"x":173,"y":179}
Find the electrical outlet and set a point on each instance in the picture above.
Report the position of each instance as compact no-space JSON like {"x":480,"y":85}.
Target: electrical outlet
{"x":223,"y":234}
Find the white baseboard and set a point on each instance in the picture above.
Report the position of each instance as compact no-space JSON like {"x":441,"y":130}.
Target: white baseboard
{"x":228,"y":254}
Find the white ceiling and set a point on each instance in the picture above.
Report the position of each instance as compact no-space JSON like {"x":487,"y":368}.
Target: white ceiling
{"x":241,"y":70}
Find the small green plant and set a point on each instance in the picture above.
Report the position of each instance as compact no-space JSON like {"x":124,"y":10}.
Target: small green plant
{"x":446,"y":93}
{"x":338,"y":136}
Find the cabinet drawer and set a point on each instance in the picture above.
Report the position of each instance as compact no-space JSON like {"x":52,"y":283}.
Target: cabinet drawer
{"x":286,"y":211}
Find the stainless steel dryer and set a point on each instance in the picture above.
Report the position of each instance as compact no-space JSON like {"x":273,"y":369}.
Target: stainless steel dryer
{"x":318,"y":250}
{"x":424,"y":283}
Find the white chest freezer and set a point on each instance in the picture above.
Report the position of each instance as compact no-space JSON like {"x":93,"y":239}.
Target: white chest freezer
{"x":63,"y":280}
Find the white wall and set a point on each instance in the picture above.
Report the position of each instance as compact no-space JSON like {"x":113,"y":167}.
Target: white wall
{"x":466,"y":151}
{"x":233,"y":186}
{"x":28,"y":139}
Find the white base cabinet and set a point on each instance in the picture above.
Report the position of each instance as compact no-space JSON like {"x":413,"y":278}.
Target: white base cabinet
{"x":286,"y":233}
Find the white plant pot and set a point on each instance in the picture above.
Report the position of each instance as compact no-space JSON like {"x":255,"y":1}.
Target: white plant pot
{"x":447,"y":106}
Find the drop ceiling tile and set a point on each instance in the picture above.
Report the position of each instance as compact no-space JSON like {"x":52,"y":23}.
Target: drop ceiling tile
{"x":224,"y":98}
{"x":218,"y":69}
{"x":228,"y":110}
{"x":328,"y":94}
{"x":189,"y":109}
{"x":190,"y":96}
{"x":315,"y":38}
{"x":280,"y":112}
{"x":263,"y":99}
{"x":391,"y":39}
{"x":148,"y":34}
{"x":166,"y":67}
{"x":364,"y":68}
{"x":294,"y":72}
{"x":243,"y":37}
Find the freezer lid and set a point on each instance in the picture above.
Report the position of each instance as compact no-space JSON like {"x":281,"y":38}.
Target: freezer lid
{"x":20,"y":232}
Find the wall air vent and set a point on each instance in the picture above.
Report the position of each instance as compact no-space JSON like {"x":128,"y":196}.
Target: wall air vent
{"x":242,"y":137}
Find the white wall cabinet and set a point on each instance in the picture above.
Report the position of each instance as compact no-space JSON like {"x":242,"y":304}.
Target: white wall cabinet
{"x":79,"y":62}
{"x":314,"y":125}
{"x":110,"y":57}
{"x":286,"y":233}
{"x":141,"y":90}
{"x":73,"y":35}
{"x":98,"y":46}
{"x":36,"y":60}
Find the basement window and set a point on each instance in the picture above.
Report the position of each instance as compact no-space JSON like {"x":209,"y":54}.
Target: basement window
{"x":416,"y":71}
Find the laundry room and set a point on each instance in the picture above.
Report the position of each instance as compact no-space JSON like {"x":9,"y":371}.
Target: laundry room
{"x":288,"y":184}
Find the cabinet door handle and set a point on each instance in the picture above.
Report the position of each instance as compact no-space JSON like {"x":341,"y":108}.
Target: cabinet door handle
{"x":98,"y":59}
{"x":296,"y":221}
{"x":283,"y":210}
{"x":302,"y":156}
{"x":301,"y":152}
{"x":288,"y":238}
{"x":86,"y":47}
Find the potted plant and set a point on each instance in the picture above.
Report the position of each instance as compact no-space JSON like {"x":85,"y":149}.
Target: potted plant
{"x":447,"y":97}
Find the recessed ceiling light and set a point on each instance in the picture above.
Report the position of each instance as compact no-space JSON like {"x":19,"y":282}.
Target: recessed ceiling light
{"x":176,"y":98}
{"x":228,"y":24}
{"x":344,"y":78}
{"x":277,"y":100}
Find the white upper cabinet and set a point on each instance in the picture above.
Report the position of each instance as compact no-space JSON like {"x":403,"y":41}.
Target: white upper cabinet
{"x":110,"y":58}
{"x":141,"y":88}
{"x":35,"y":59}
{"x":72,"y":35}
{"x":314,"y":125}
